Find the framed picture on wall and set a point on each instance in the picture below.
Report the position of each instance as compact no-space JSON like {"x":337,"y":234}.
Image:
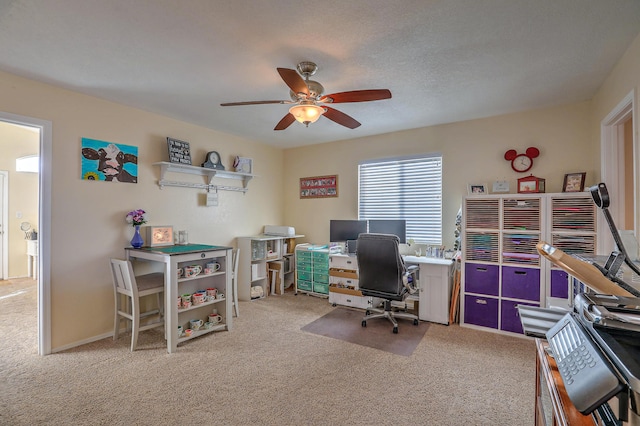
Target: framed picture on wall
{"x":319,"y":186}
{"x":574,"y":182}
{"x":477,"y":189}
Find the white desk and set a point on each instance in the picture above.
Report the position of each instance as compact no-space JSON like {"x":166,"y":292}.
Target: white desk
{"x":172,"y":258}
{"x":32,"y":258}
{"x":435,"y":283}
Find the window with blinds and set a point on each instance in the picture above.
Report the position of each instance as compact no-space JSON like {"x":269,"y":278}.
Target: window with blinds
{"x":408,"y":188}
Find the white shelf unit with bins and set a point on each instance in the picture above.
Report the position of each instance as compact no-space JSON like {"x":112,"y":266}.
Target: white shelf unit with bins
{"x":573,"y":230}
{"x":256,"y":252}
{"x":501,"y":266}
{"x":209,"y":174}
{"x":312,"y":269}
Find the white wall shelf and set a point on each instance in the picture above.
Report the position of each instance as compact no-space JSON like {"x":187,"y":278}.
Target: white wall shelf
{"x":210,"y":174}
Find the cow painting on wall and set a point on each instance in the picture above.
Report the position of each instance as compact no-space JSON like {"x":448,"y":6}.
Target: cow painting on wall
{"x":109,"y":161}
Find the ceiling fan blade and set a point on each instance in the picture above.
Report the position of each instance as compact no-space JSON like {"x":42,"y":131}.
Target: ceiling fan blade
{"x":285,"y":122}
{"x":254,"y":103}
{"x":293,"y":80}
{"x":340,"y":118}
{"x":357,"y":96}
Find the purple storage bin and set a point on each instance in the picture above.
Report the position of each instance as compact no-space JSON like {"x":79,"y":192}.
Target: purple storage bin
{"x":510,"y":317}
{"x":521,"y":283}
{"x":559,"y":284}
{"x":481,"y":278}
{"x":482,"y":311}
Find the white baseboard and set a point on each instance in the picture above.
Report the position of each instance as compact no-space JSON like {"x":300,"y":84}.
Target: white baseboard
{"x":82,"y":342}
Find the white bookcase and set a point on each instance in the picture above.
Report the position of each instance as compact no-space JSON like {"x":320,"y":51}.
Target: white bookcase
{"x":256,"y":252}
{"x":501,"y":266}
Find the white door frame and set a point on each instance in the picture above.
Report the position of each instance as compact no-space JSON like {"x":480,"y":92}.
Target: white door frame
{"x":44,"y":226}
{"x":5,"y":220}
{"x":612,"y":163}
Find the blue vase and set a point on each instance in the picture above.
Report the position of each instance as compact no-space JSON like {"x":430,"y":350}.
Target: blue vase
{"x":137,"y":241}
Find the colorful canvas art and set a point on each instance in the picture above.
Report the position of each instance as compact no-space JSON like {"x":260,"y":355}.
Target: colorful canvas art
{"x":109,"y":161}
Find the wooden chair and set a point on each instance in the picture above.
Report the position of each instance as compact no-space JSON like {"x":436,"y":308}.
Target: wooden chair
{"x":125,"y":283}
{"x":234,"y":278}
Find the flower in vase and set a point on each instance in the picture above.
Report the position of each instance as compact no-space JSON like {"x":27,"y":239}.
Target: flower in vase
{"x":136,"y":217}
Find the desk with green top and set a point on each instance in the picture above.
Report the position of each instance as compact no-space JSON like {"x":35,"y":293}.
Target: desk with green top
{"x":174,"y":257}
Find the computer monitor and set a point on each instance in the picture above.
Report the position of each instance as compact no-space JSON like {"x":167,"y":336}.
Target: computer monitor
{"x":392,"y":226}
{"x":341,"y":231}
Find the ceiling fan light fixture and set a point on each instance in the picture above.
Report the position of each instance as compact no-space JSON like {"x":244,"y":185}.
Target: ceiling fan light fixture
{"x":306,"y":113}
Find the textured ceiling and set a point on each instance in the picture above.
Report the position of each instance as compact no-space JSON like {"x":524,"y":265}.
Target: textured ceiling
{"x":444,"y":61}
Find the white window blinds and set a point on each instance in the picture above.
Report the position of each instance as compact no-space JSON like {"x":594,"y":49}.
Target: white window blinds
{"x":407,"y":188}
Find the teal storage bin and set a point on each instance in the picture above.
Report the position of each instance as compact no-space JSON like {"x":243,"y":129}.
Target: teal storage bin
{"x":305,"y":276}
{"x":320,"y":278}
{"x":304,"y":255}
{"x":303,"y":266}
{"x":305,"y":285}
{"x":320,"y":257}
{"x":320,"y":288}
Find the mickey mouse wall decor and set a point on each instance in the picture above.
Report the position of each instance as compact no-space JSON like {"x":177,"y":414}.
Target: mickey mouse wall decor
{"x":521,"y":162}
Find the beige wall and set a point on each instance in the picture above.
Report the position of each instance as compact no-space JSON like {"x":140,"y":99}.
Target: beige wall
{"x":16,"y":141}
{"x":624,"y":78}
{"x":88,"y":225}
{"x":473,"y":152}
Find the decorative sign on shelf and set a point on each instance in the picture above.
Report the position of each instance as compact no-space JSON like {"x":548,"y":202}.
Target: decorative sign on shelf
{"x":179,"y":151}
{"x":243,"y":165}
{"x":319,"y":186}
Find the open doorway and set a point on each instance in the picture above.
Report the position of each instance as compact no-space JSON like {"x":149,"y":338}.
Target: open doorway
{"x":19,"y":146}
{"x":26,"y":212}
{"x":619,"y":166}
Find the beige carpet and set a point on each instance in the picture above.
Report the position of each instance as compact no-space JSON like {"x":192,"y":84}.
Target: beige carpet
{"x":267,"y":371}
{"x":346,"y":324}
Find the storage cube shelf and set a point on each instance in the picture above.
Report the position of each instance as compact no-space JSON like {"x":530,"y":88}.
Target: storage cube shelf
{"x":502,"y":267}
{"x":256,"y":253}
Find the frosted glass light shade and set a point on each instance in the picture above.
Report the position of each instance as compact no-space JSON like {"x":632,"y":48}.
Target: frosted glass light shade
{"x":306,"y":114}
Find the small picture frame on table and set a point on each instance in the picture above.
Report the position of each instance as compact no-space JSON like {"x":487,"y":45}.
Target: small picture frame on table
{"x":477,"y":189}
{"x":574,"y":182}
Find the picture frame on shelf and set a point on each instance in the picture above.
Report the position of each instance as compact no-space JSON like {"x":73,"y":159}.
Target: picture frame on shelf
{"x":477,"y":189}
{"x":243,"y":165}
{"x":531,"y":185}
{"x":501,"y":186}
{"x":574,"y":182}
{"x":179,"y":151}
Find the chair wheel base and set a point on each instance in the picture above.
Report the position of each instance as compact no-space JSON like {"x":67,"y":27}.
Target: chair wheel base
{"x":364,"y":323}
{"x":415,"y":322}
{"x":395,"y":330}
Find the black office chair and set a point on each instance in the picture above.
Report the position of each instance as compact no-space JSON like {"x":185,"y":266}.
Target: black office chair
{"x":382,"y":273}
